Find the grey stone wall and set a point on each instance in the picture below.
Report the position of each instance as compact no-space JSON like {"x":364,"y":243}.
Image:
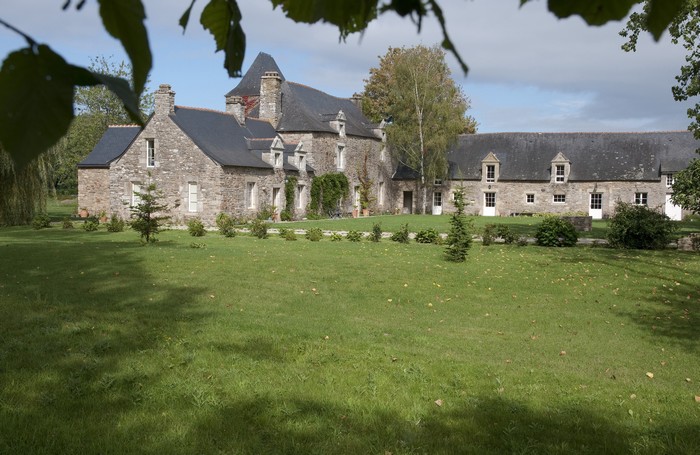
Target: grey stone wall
{"x":178,"y":162}
{"x":511,"y":196}
{"x":93,"y":190}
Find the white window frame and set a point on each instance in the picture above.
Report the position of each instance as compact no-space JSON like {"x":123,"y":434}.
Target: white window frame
{"x":251,"y":191}
{"x":559,"y":173}
{"x":641,"y":198}
{"x":277,"y":159}
{"x":562,"y":198}
{"x":192,"y":196}
{"x":302,"y":163}
{"x":596,"y":201}
{"x":437,"y":199}
{"x":150,"y":153}
{"x":300,"y":196}
{"x":356,"y":196}
{"x":490,"y":173}
{"x":340,"y":156}
{"x":490,"y":199}
{"x":669,"y":180}
{"x":381,"y":193}
{"x":529,"y":198}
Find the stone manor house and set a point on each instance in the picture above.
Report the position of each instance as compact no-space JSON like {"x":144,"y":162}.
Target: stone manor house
{"x":238,"y":160}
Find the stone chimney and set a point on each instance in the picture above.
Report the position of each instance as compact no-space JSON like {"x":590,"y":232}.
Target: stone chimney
{"x":236,"y":106}
{"x":271,"y":97}
{"x":357,"y":100}
{"x":165,"y":100}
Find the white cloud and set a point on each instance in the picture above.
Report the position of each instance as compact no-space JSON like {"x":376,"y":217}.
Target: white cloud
{"x":528,"y":70}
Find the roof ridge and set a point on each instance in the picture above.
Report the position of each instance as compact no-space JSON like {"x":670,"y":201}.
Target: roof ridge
{"x":127,"y":125}
{"x":205,"y":109}
{"x":317,"y":90}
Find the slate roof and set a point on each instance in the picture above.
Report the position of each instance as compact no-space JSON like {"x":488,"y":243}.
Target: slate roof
{"x":250,"y":82}
{"x":592,"y":156}
{"x":112,"y":144}
{"x":217,"y":134}
{"x":303,"y":108}
{"x":221,"y":137}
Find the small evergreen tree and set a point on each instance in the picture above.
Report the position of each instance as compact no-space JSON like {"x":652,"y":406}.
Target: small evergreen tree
{"x":459,"y":238}
{"x":148,"y":215}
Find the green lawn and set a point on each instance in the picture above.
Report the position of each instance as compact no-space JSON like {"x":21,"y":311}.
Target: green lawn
{"x":267,"y":347}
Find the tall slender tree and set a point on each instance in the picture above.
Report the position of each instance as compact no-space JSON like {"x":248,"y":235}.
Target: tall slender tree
{"x":413,"y":86}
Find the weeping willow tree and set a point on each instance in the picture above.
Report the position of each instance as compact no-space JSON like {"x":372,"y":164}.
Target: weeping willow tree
{"x":22,"y":191}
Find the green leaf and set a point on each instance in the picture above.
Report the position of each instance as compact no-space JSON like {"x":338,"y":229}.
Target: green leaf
{"x":116,"y":85}
{"x":661,"y":14}
{"x":349,"y":16}
{"x":223,"y":20}
{"x":185,"y":19}
{"x":594,"y":12}
{"x":123,"y":19}
{"x":36,"y":102}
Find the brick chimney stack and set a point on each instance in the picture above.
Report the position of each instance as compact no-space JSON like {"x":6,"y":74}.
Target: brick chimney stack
{"x":164,"y":100}
{"x":271,"y":97}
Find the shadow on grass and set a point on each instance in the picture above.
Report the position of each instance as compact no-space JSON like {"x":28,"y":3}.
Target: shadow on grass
{"x":264,"y":425}
{"x":78,"y":315}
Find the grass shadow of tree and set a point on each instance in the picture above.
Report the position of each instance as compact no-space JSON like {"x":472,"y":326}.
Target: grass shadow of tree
{"x":76,"y":321}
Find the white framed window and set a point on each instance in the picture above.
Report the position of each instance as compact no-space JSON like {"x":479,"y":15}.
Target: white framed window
{"x":490,"y":199}
{"x":301,"y":203}
{"x":356,"y":196}
{"x":437,"y":199}
{"x":340,"y":156}
{"x":490,"y":173}
{"x":341,"y":129}
{"x":150,"y":152}
{"x":135,"y":198}
{"x":530,"y":198}
{"x":192,"y":198}
{"x":381,"y":193}
{"x":251,"y":195}
{"x":669,"y":180}
{"x":559,"y":198}
{"x":559,"y":173}
{"x":302,"y":163}
{"x":640,"y":198}
{"x":277,"y":159}
{"x":596,"y":201}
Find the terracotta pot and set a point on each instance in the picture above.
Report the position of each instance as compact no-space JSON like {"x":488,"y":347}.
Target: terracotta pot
{"x":83,"y":213}
{"x":365,"y":212}
{"x":355,"y":213}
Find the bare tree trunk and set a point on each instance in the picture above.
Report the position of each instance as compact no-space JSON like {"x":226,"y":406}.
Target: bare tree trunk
{"x":419,"y":116}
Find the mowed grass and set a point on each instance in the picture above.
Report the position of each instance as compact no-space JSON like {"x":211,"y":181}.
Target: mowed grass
{"x":268,"y":347}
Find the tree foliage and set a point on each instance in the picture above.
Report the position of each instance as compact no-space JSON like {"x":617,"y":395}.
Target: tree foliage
{"x":639,"y":227}
{"x":97,"y":108}
{"x":555,"y":231}
{"x":149,"y":214}
{"x":37,"y":84}
{"x":459,"y":239}
{"x":426,"y":106}
{"x":327,"y":191}
{"x":22,"y":191}
{"x":686,"y":187}
{"x":684,"y":29}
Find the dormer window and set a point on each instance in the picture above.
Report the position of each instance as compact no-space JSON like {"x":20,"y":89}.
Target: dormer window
{"x":277,"y":159}
{"x":339,"y":123}
{"x":437,"y":182}
{"x":490,"y":173}
{"x":561,"y":167}
{"x":559,"y":173}
{"x":302,"y":162}
{"x":490,"y":168}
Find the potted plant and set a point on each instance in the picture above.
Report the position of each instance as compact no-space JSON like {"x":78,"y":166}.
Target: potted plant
{"x":103,"y":216}
{"x":83,"y":213}
{"x":355,"y":212}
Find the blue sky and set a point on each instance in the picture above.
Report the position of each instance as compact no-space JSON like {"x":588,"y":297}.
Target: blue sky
{"x":528,"y":70}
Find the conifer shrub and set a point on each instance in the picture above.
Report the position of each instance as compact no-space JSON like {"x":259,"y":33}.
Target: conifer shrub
{"x":459,"y":239}
{"x":115,"y":223}
{"x":401,"y":235}
{"x":376,"y":234}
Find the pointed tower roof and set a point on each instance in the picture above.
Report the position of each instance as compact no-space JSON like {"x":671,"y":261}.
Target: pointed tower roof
{"x":250,"y":83}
